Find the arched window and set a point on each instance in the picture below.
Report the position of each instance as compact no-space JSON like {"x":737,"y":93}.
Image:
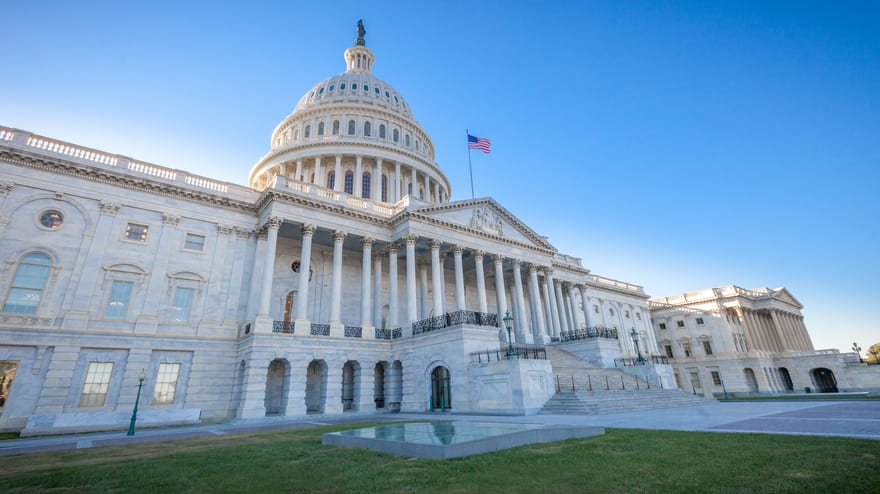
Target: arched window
{"x":365,"y":186}
{"x":308,"y":132}
{"x":349,"y":182}
{"x":382,"y":131}
{"x":384,"y":188}
{"x":295,"y":135}
{"x":331,"y":179}
{"x":395,"y":136}
{"x":406,"y":141}
{"x":321,"y":129}
{"x":351,"y":127}
{"x":336,"y":127}
{"x":367,"y":129}
{"x":28,"y":284}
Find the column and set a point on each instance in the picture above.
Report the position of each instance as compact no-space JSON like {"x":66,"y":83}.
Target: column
{"x":427,"y":188}
{"x":272,"y":226}
{"x":577,"y":320}
{"x":500,"y":299}
{"x":552,"y":325}
{"x":396,"y":188}
{"x":569,"y":313}
{"x":339,"y":180}
{"x":393,"y":316}
{"x":524,"y":337}
{"x":744,"y":325}
{"x":541,"y":335}
{"x":358,"y":176}
{"x":550,"y":295}
{"x":299,"y":170}
{"x":443,"y":282}
{"x":804,"y":333}
{"x":413,"y":184}
{"x":435,"y":277}
{"x":336,"y":281}
{"x":377,"y":290}
{"x":305,"y":265}
{"x":411,"y":308}
{"x":481,"y":282}
{"x":376,"y":183}
{"x":423,"y":290}
{"x":563,"y":320}
{"x":320,"y":179}
{"x":588,"y":311}
{"x":367,"y":244}
{"x":436,"y":191}
{"x":459,"y":278}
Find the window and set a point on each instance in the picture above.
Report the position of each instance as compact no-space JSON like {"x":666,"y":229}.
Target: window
{"x":716,"y":378}
{"x":308,"y":132}
{"x":117,"y":302}
{"x":381,"y":131}
{"x":638,"y":316}
{"x":668,"y":349}
{"x":662,"y":325}
{"x":626,"y":314}
{"x":384,"y":188}
{"x":365,"y":186}
{"x":183,"y":298}
{"x":679,"y":324}
{"x":354,"y":87}
{"x":166,"y":383}
{"x":321,"y":129}
{"x":51,"y":219}
{"x":707,"y":347}
{"x":377,"y":90}
{"x":331,"y":179}
{"x":28,"y":285}
{"x":406,"y":141}
{"x":395,"y":136}
{"x":336,"y":127}
{"x":687,"y":349}
{"x":136,"y":233}
{"x":595,"y":309}
{"x":349,"y":182}
{"x":332,"y":87}
{"x":321,"y":91}
{"x":97,"y":382}
{"x":342,"y":86}
{"x":351,"y":127}
{"x":366,"y":88}
{"x":194,"y":242}
{"x":700,"y":321}
{"x":367,"y":129}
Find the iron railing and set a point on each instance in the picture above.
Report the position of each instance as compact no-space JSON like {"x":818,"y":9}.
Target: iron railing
{"x":353,"y":331}
{"x":388,"y":334}
{"x":319,"y":329}
{"x":589,"y":333}
{"x":646,"y":360}
{"x":457,"y":318}
{"x":282,"y":327}
{"x":519,"y":351}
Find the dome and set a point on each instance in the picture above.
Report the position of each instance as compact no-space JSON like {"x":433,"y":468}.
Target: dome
{"x":354,"y":126}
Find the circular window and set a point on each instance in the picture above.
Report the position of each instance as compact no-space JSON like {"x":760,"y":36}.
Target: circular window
{"x":354,"y":87}
{"x":52,"y":219}
{"x":332,"y":87}
{"x":294,"y":266}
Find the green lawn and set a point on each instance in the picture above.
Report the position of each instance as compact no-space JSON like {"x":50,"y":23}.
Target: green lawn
{"x":621,"y":461}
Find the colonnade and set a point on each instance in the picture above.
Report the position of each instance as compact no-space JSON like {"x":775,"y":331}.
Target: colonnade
{"x":774,"y":330}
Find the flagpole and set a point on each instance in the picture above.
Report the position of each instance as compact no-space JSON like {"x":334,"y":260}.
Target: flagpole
{"x":471,"y":168}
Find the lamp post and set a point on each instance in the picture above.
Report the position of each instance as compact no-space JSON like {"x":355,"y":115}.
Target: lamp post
{"x":635,"y":336}
{"x":856,"y":348}
{"x":134,"y":412}
{"x":508,"y":321}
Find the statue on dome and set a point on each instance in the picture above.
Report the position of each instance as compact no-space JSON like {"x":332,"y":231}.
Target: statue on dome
{"x":361,"y":32}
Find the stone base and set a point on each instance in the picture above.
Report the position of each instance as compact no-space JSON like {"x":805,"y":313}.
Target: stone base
{"x":75,"y":422}
{"x":511,"y":387}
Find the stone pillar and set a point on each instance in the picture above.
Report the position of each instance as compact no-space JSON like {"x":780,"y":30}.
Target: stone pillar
{"x":436,"y":280}
{"x":233,"y":295}
{"x":272,"y":226}
{"x":376,"y":186}
{"x":541,"y":334}
{"x":366,"y":258}
{"x":588,"y":311}
{"x":443,"y":282}
{"x":427,"y":188}
{"x":339,"y":180}
{"x":481,"y":282}
{"x":436,"y":191}
{"x":336,"y":326}
{"x":423,"y":290}
{"x":553,"y":301}
{"x":377,"y":290}
{"x":500,"y":299}
{"x":577,"y":320}
{"x":365,"y":382}
{"x":358,"y":176}
{"x":396,"y":188}
{"x":393,"y":316}
{"x":524,"y":337}
{"x":569,"y":313}
{"x":548,"y":308}
{"x":148,"y":321}
{"x":299,"y":170}
{"x":305,"y":265}
{"x":413,"y":184}
{"x":411,"y":307}
{"x":459,"y":278}
{"x":747,"y":332}
{"x":564,"y":323}
{"x":320,"y":179}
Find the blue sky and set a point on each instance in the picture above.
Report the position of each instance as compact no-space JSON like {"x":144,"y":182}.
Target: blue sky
{"x":676,"y":145}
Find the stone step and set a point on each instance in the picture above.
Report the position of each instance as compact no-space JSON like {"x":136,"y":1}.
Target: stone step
{"x":586,"y":403}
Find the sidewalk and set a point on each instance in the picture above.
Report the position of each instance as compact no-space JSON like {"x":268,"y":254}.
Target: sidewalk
{"x":859,"y":419}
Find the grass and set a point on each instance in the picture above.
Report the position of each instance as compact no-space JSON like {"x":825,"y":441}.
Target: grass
{"x":619,"y":461}
{"x":8,"y":435}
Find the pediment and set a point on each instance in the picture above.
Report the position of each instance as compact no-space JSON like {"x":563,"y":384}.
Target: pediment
{"x":483,"y":217}
{"x":784,"y":295}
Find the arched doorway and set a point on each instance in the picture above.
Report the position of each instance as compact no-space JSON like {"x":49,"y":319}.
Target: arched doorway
{"x":349,"y":370}
{"x":824,"y":380}
{"x":276,"y":387}
{"x":441,"y":394}
{"x":379,"y":384}
{"x":751,"y":380}
{"x":394,"y":386}
{"x":786,"y":379}
{"x":316,"y":386}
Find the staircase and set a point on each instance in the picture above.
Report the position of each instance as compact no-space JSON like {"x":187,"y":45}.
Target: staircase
{"x":584,"y":388}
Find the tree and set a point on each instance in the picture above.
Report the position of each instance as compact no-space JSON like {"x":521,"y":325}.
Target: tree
{"x":873,"y":354}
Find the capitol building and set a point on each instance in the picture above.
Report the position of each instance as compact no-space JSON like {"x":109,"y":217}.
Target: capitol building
{"x":341,"y":279}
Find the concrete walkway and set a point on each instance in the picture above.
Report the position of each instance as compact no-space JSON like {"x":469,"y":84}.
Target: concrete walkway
{"x":859,"y":419}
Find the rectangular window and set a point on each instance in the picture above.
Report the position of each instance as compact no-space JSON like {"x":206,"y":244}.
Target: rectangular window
{"x":687,"y":349}
{"x":662,"y":325}
{"x":679,"y":324}
{"x":182,"y":302}
{"x":716,"y":378}
{"x":136,"y":233}
{"x":638,"y":316}
{"x":596,"y":309}
{"x":97,"y":381}
{"x":669,"y":351}
{"x":117,"y":303}
{"x":707,"y":347}
{"x":194,"y":242}
{"x":166,"y":383}
{"x":699,"y":321}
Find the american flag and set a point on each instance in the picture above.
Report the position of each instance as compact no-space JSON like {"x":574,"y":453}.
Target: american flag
{"x":480,"y":143}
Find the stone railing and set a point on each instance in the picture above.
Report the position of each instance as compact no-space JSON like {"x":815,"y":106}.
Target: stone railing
{"x":280,"y":182}
{"x":621,"y":285}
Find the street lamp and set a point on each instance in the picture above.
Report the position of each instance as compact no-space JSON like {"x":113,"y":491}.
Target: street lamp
{"x":635,"y":337}
{"x":508,"y":321}
{"x":856,"y":348}
{"x":134,"y":412}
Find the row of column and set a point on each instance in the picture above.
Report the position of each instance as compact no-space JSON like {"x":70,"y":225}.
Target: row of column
{"x":775,"y":330}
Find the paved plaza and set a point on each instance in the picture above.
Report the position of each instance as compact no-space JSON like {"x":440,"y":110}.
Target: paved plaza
{"x":858,"y":419}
